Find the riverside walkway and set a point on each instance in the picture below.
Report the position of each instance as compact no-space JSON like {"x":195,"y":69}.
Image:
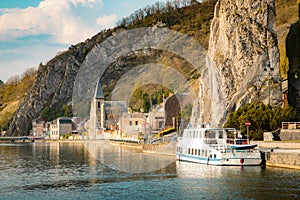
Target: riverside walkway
{"x":13,"y":139}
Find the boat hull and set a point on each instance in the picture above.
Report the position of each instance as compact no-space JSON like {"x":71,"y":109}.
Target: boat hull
{"x":224,"y":161}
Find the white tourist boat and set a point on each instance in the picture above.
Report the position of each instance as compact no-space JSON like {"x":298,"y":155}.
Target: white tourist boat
{"x":216,"y":146}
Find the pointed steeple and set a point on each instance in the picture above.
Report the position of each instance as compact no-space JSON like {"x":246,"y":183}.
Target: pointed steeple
{"x":99,"y":92}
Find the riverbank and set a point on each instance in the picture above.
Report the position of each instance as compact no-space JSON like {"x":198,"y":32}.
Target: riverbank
{"x":275,"y":154}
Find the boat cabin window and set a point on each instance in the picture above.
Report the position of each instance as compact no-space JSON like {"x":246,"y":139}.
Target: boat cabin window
{"x":221,"y":135}
{"x":179,"y":149}
{"x":231,"y":134}
{"x":210,"y":134}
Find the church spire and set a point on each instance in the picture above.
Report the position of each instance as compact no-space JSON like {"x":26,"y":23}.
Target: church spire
{"x":99,"y":92}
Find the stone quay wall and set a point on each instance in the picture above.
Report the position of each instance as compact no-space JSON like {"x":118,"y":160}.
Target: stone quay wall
{"x":168,"y":148}
{"x":283,"y":159}
{"x":289,"y":134}
{"x":277,"y":144}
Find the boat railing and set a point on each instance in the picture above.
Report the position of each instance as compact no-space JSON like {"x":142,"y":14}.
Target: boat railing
{"x":236,"y":141}
{"x":210,"y":141}
{"x":220,"y":147}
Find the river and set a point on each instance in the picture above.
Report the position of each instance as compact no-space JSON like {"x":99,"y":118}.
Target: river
{"x":58,"y":170}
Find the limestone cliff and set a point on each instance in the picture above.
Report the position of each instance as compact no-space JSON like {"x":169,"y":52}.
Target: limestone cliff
{"x":53,"y":85}
{"x":243,"y":58}
{"x":293,"y":53}
{"x":242,"y":66}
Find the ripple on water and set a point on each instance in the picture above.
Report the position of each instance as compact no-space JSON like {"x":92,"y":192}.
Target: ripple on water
{"x":68,"y":171}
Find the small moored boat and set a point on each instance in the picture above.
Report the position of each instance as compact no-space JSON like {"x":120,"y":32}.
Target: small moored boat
{"x":216,"y":146}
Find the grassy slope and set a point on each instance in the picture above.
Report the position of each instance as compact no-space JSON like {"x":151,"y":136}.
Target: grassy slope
{"x":11,"y":94}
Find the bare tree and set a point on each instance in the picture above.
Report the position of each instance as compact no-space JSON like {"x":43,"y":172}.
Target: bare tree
{"x":14,"y":80}
{"x":28,"y":73}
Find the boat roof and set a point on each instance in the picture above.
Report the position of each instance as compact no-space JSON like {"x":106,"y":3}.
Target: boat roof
{"x":204,"y":129}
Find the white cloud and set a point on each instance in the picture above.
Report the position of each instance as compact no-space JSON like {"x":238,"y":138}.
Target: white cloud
{"x":107,"y":21}
{"x":38,"y":53}
{"x":56,"y":18}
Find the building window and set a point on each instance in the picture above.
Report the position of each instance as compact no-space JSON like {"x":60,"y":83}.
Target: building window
{"x":99,"y":104}
{"x":136,"y":123}
{"x":130,"y":123}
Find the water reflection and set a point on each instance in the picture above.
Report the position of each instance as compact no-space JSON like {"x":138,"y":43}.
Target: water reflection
{"x":127,"y":159}
{"x":70,"y":171}
{"x":239,"y":182}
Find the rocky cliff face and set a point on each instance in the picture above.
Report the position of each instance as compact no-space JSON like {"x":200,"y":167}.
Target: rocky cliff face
{"x":242,"y":66}
{"x":243,"y":58}
{"x":53,"y":85}
{"x":293,"y":53}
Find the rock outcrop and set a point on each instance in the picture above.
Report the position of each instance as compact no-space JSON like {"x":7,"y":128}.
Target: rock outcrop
{"x":242,"y":66}
{"x":243,"y":58}
{"x":293,"y":53}
{"x":53,"y":86}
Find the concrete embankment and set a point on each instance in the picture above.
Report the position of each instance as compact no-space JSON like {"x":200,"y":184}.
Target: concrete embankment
{"x":283,"y":158}
{"x":281,"y":154}
{"x":161,"y":148}
{"x":127,"y":144}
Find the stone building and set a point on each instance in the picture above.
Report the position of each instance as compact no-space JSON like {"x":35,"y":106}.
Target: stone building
{"x":132,"y":124}
{"x":59,"y":127}
{"x":104,"y":114}
{"x":156,"y":118}
{"x":97,"y":116}
{"x":113,"y":111}
{"x":174,"y":106}
{"x":39,"y":127}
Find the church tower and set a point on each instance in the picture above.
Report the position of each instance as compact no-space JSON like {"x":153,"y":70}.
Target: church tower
{"x":97,"y":115}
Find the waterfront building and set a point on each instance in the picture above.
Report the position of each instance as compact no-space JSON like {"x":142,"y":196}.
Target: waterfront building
{"x":97,"y":112}
{"x":156,"y":118}
{"x":60,"y":126}
{"x":133,"y":124}
{"x":113,"y":111}
{"x":174,"y":106}
{"x":104,"y":114}
{"x":40,"y":127}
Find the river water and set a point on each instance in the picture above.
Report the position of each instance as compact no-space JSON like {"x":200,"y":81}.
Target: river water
{"x":76,"y":171}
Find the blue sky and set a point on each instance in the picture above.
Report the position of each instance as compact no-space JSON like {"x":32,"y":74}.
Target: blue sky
{"x":34,"y":31}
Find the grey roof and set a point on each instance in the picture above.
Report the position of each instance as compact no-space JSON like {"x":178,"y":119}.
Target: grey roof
{"x":65,"y":120}
{"x":99,"y":92}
